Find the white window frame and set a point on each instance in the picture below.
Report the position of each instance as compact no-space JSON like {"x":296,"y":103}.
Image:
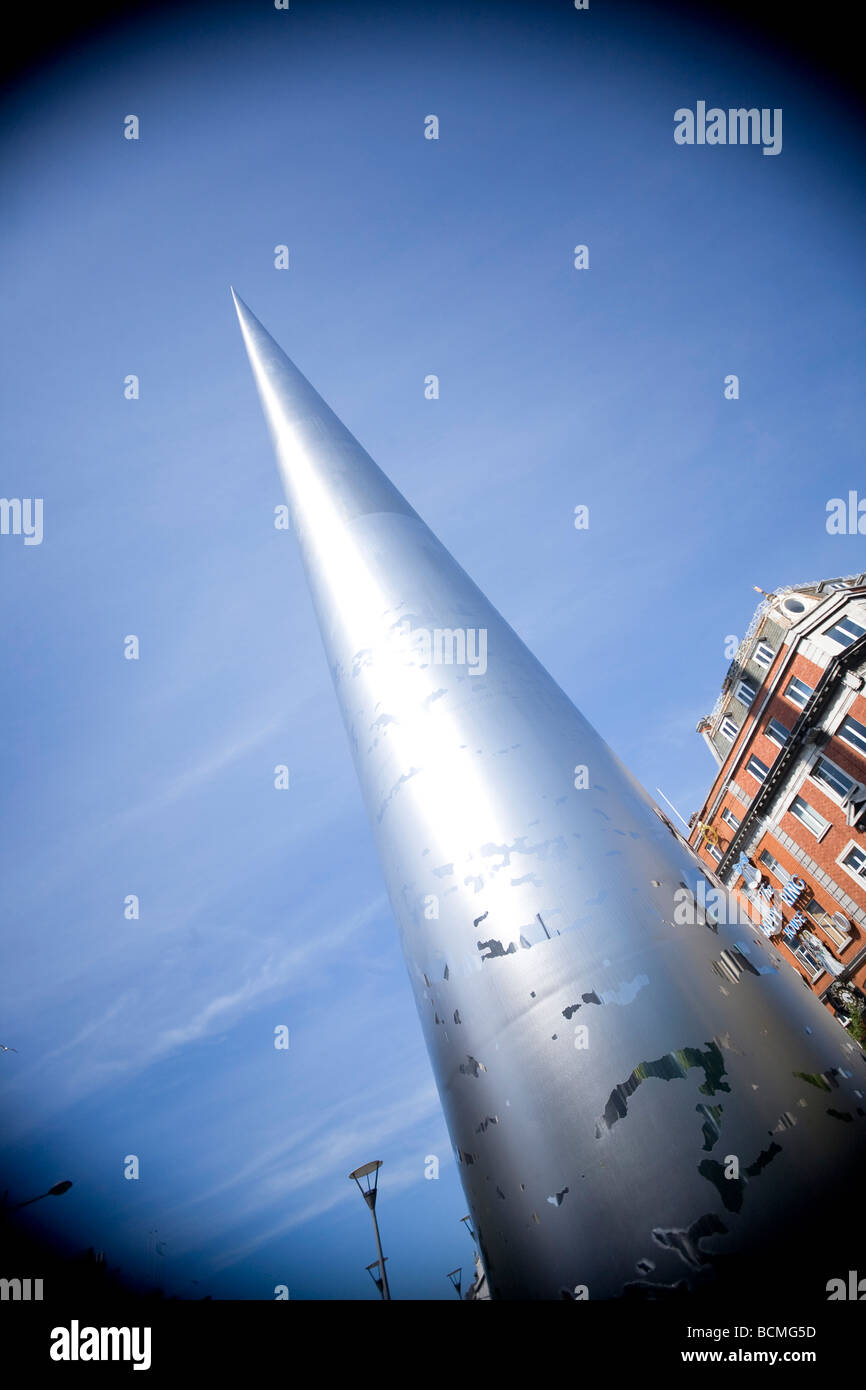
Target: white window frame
{"x":730,"y":819}
{"x":746,"y":685}
{"x":748,"y":768}
{"x":762,"y":650}
{"x":723,"y":731}
{"x":840,"y":621}
{"x":841,"y":940}
{"x":796,"y":947}
{"x":852,"y":873}
{"x":790,"y":699}
{"x":713,"y":851}
{"x":827,"y":824}
{"x":768,"y":732}
{"x":829,"y":791}
{"x":824,"y":920}
{"x":850,"y":743}
{"x":777,"y":870}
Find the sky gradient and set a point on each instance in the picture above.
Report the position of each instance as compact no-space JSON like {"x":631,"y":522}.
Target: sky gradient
{"x":558,"y":387}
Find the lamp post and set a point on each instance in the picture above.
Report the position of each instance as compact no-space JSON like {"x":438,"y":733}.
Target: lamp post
{"x":56,"y":1191}
{"x":376,"y":1280}
{"x":370,"y":1172}
{"x":457,"y":1283}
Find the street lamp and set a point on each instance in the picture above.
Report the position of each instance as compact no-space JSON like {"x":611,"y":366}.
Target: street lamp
{"x":370,"y":1173}
{"x":458,"y":1282}
{"x":467,"y":1221}
{"x":56,"y":1191}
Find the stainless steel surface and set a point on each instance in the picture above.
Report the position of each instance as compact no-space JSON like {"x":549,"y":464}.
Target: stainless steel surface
{"x":601,"y":1061}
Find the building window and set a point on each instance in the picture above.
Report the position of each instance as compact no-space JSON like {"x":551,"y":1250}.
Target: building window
{"x":814,"y":908}
{"x":831,"y":778}
{"x":854,"y":860}
{"x":746,"y":692}
{"x":758,"y":769}
{"x":809,"y":816}
{"x":730,"y":819}
{"x":803,"y":954}
{"x":798,"y":692}
{"x":728,"y":728}
{"x":845,"y":632}
{"x":838,"y":928}
{"x":854,"y":733}
{"x":763,"y":654}
{"x":770,"y":862}
{"x":777,"y":733}
{"x":714,"y":852}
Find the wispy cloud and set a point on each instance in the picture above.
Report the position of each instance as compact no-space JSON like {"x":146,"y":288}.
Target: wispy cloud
{"x":269,"y":980}
{"x":235,"y":746}
{"x":123,"y":1042}
{"x":318,"y":1179}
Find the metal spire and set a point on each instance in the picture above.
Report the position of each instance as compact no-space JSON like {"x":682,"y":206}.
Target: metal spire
{"x":637,"y":1092}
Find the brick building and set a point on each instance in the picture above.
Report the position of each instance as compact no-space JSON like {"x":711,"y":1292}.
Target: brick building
{"x":784,"y":824}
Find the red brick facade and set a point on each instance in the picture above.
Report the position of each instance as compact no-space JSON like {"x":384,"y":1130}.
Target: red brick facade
{"x":792,"y":791}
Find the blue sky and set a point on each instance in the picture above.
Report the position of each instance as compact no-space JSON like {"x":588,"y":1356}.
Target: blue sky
{"x":557,"y":387}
